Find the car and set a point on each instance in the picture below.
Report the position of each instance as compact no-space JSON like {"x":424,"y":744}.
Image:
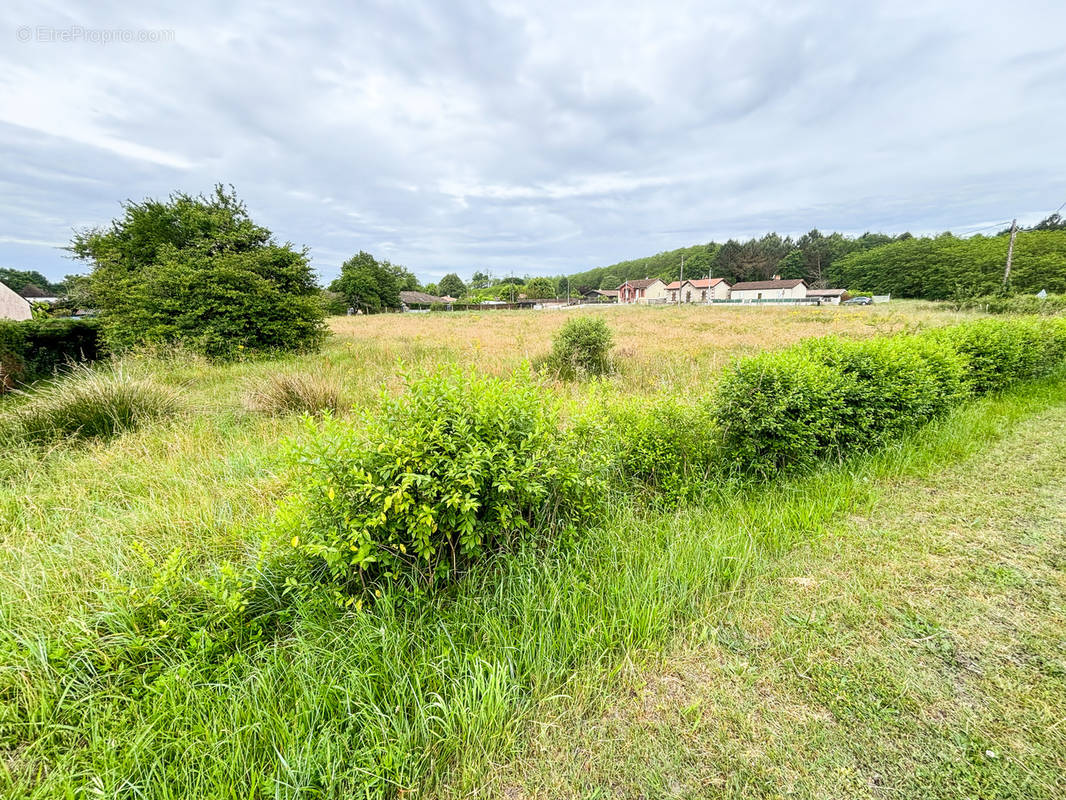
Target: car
{"x":859,"y":301}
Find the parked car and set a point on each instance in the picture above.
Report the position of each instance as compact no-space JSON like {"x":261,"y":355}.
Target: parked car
{"x":859,"y":301}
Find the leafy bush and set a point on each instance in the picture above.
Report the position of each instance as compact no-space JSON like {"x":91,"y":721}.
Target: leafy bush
{"x":197,"y":271}
{"x":582,"y":348}
{"x":36,"y":348}
{"x":830,"y":396}
{"x":1052,"y":305}
{"x":663,"y":451}
{"x":93,"y":403}
{"x":1004,"y":352}
{"x":295,"y":392}
{"x":457,"y":468}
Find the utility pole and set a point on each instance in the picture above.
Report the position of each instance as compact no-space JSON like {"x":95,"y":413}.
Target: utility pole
{"x":1010,"y":252}
{"x":681,"y":280}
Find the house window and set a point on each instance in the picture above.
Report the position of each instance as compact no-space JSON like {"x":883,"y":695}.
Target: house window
{"x":703,"y":296}
{"x":688,"y":297}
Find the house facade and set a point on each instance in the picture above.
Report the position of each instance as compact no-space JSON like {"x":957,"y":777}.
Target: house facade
{"x":12,"y":306}
{"x":645,"y":290}
{"x":699,"y":290}
{"x":829,"y":297}
{"x":777,"y":289}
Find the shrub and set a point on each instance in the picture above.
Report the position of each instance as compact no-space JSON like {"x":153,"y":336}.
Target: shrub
{"x":1052,"y":305}
{"x":294,"y":392}
{"x":778,"y":410}
{"x":1002,"y":352}
{"x":36,"y":348}
{"x":457,"y":468}
{"x":662,"y":450}
{"x":93,"y":403}
{"x":582,"y":348}
{"x":826,"y":397}
{"x":197,"y":271}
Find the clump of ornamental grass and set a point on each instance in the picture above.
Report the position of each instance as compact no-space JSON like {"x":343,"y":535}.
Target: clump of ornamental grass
{"x":282,"y":393}
{"x":90,"y":403}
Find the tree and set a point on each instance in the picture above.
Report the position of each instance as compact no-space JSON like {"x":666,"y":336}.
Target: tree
{"x":405,"y":279}
{"x":197,"y":271}
{"x":452,"y":286}
{"x":432,"y":288}
{"x":17,"y":280}
{"x":610,"y":282}
{"x":367,"y":284}
{"x":480,"y":280}
{"x":540,"y":288}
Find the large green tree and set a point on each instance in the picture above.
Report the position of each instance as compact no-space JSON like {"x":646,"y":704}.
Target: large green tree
{"x":540,"y":288}
{"x":452,"y":286}
{"x":368,"y":284}
{"x":197,"y":271}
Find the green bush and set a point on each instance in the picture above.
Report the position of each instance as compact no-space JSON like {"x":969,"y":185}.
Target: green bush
{"x":828,"y":397}
{"x":457,"y":468}
{"x":1052,"y":305}
{"x":92,"y":403}
{"x":36,"y":348}
{"x":582,"y":349}
{"x":200,"y":273}
{"x":661,"y":451}
{"x":1003,"y":352}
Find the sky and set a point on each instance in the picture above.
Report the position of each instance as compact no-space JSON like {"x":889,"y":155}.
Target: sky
{"x":530,"y":137}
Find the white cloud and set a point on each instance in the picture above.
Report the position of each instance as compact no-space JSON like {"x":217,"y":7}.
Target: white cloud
{"x":536,"y":137}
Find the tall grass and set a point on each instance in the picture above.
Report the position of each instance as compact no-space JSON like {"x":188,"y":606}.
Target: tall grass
{"x":423,"y":697}
{"x":290,"y":392}
{"x":92,"y":403}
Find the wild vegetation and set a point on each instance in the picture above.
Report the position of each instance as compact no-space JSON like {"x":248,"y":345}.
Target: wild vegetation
{"x":199,"y":273}
{"x":381,"y":604}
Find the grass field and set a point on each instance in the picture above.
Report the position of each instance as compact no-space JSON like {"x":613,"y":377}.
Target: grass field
{"x":386,"y":701}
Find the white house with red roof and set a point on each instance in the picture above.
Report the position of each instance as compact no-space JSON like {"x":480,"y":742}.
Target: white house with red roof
{"x":644,"y":290}
{"x":698,"y":290}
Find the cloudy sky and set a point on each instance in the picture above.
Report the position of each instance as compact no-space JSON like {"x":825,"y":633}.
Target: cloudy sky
{"x":540,"y":137}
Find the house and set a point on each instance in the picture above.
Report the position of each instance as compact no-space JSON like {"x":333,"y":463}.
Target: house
{"x":644,"y":290}
{"x":411,"y":299}
{"x":12,"y":306}
{"x":35,"y":294}
{"x":600,"y":295}
{"x":832,"y":297}
{"x":776,"y":289}
{"x":699,"y":290}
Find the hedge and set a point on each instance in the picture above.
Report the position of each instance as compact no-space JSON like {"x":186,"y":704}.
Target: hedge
{"x":36,"y":348}
{"x":829,"y":397}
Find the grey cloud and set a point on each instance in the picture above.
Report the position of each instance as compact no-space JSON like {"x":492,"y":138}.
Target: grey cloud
{"x":540,"y":137}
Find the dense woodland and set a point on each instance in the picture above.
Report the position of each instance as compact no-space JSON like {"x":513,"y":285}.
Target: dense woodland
{"x":937,"y":267}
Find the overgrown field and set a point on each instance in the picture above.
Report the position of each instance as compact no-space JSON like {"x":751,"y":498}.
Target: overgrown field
{"x":173,"y":625}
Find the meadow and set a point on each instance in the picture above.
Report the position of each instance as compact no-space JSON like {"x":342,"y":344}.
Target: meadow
{"x":391,"y":699}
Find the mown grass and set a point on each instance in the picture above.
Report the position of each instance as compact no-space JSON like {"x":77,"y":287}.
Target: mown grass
{"x":914,"y":651}
{"x":395,"y":697}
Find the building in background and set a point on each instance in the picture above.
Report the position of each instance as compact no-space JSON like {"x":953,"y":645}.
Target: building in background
{"x":644,"y":290}
{"x":776,"y":289}
{"x":12,"y":306}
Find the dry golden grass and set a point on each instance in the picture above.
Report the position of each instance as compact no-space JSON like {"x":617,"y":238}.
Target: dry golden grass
{"x":658,"y":346}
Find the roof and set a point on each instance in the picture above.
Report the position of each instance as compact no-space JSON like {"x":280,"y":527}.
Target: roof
{"x":420,"y":298}
{"x":827,"y":292}
{"x":790,"y":284}
{"x":698,"y":283}
{"x":642,"y":283}
{"x":30,"y":291}
{"x":605,"y":292}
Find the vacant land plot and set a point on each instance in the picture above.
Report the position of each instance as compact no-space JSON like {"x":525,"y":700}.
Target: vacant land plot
{"x":414,"y":697}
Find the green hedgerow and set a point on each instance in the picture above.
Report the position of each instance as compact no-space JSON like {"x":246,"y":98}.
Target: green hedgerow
{"x":454,"y":470}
